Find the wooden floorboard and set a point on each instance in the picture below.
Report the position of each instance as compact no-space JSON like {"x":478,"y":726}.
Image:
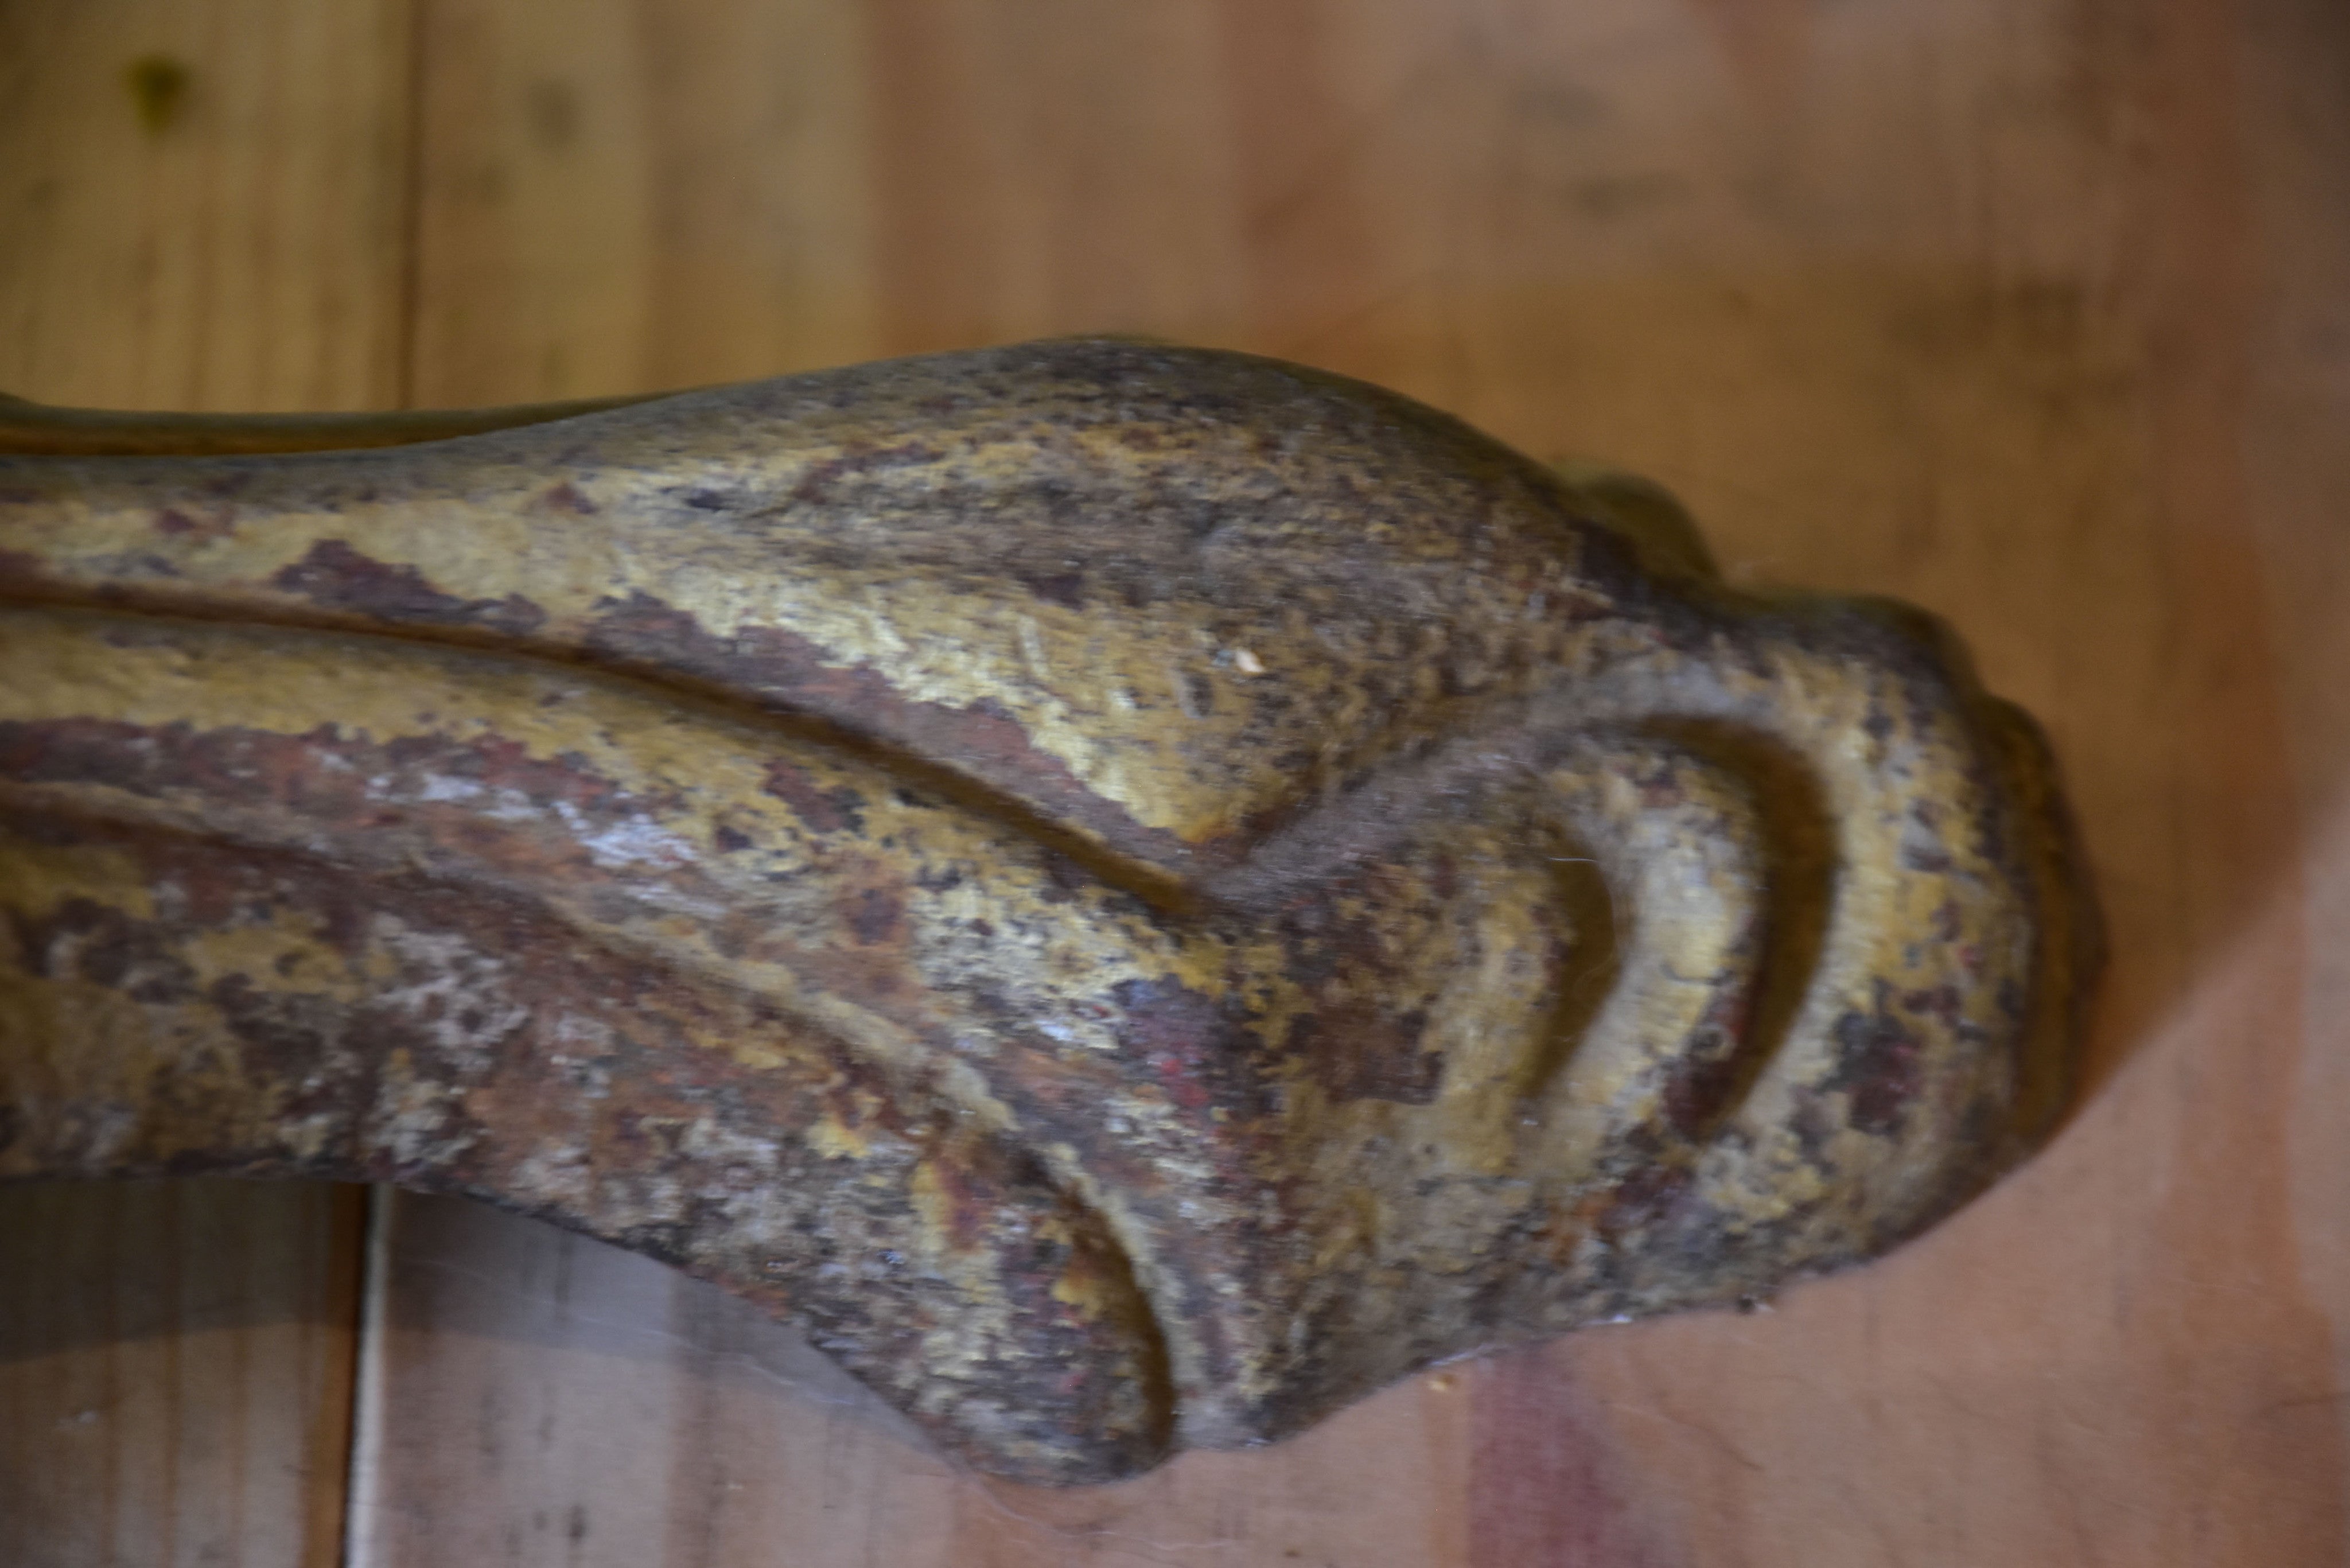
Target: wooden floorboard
{"x":175,"y":1368}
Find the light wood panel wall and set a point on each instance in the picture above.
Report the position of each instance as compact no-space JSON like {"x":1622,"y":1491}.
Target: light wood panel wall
{"x":2036,"y":312}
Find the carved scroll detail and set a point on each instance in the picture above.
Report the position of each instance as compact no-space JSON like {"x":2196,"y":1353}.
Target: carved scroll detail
{"x":1140,"y":894}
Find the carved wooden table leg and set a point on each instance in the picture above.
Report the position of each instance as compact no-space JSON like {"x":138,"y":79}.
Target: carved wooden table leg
{"x":1140,"y":894}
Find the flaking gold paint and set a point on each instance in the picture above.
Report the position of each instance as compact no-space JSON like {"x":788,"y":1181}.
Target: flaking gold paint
{"x":1081,"y":871}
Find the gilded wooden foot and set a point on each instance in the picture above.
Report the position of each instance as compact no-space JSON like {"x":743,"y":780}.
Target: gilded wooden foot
{"x":1139,"y":894}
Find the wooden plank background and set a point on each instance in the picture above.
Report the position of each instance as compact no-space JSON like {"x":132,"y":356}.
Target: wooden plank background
{"x":2036,"y":312}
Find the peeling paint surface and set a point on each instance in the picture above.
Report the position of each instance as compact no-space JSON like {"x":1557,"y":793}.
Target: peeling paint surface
{"x":1140,"y":894}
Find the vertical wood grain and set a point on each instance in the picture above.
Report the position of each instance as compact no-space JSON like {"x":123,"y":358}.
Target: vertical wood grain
{"x":624,"y":195}
{"x":175,"y":1369}
{"x":1052,"y":166}
{"x":175,"y":1359}
{"x":241,"y":249}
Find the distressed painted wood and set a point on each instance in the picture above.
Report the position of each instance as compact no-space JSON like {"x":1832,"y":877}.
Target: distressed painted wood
{"x":2031,"y":312}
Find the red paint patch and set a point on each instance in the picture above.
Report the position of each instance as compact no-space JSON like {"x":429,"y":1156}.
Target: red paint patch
{"x":174,"y":523}
{"x":875,"y":915}
{"x":824,"y":811}
{"x":1360,"y":1051}
{"x":567,"y":497}
{"x":336,"y":577}
{"x":1184,"y":1040}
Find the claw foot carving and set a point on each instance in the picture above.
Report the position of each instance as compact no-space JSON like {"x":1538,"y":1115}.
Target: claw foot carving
{"x":1137,"y":894}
